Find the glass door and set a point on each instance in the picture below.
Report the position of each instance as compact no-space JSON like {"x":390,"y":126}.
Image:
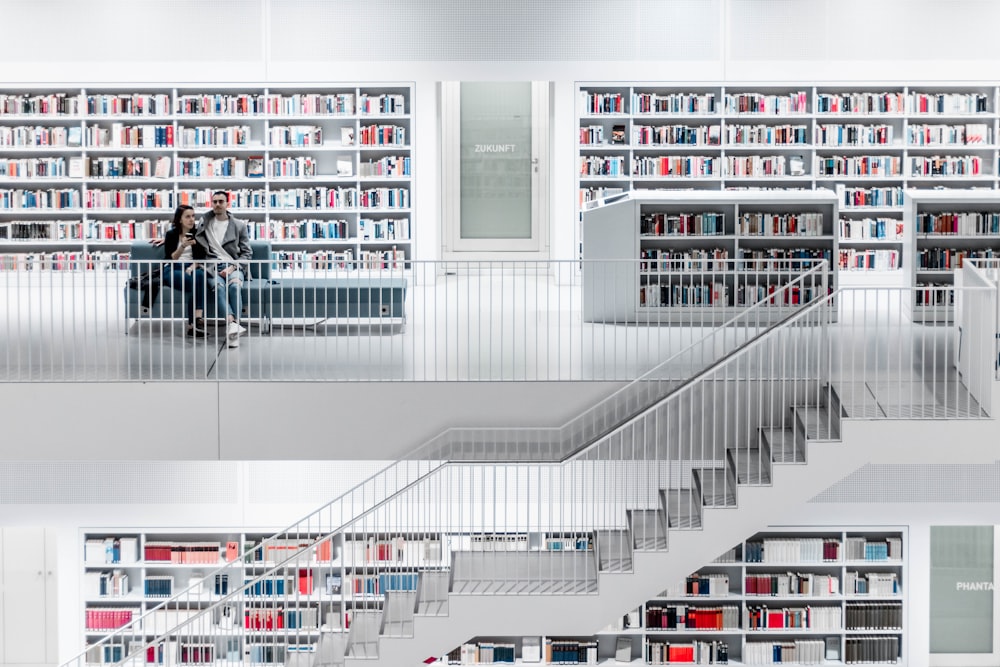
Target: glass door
{"x":494,"y":166}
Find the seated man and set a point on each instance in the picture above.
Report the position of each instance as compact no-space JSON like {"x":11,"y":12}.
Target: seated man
{"x":224,"y":239}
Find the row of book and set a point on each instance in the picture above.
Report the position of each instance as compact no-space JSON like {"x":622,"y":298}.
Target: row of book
{"x":715,"y":260}
{"x":380,"y":584}
{"x":111,"y":550}
{"x":108,"y":618}
{"x":930,"y":294}
{"x":872,"y":583}
{"x":182,"y":552}
{"x":869,"y":259}
{"x":682,"y":224}
{"x":866,"y":103}
{"x":963,"y":223}
{"x":157,"y":104}
{"x":800,"y":618}
{"x":769,"y":135}
{"x":874,"y":616}
{"x":871,"y":649}
{"x":861,"y":548}
{"x":871,"y":197}
{"x":799,"y":651}
{"x":792,"y":583}
{"x":64,"y":261}
{"x":295,"y":135}
{"x":681,"y":617}
{"x":482,"y":653}
{"x":947,"y":259}
{"x":946,"y":165}
{"x":882,"y":229}
{"x":108,"y":584}
{"x":194,"y":167}
{"x":696,"y":652}
{"x":341,"y":260}
{"x":859,"y":165}
{"x":54,"y":198}
{"x":781,"y":224}
{"x":702,"y":260}
{"x":45,"y":104}
{"x":158,"y":586}
{"x":658,"y":295}
{"x":826,"y":134}
{"x":954,"y":135}
{"x":793,"y":550}
{"x":280,"y":618}
{"x":128,"y":104}
{"x":853,"y":135}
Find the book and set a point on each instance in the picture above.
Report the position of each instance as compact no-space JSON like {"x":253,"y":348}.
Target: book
{"x":623,"y":649}
{"x":347,"y":136}
{"x":345,"y":166}
{"x":162,"y":167}
{"x":618,"y":134}
{"x":76,"y":167}
{"x":255,"y":166}
{"x":531,"y":649}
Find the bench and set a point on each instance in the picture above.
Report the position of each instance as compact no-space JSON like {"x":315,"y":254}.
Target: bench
{"x":268,"y":296}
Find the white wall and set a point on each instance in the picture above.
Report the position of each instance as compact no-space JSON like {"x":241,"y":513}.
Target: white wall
{"x":564,"y":41}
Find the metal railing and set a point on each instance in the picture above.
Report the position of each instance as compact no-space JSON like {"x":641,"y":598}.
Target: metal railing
{"x":404,"y":541}
{"x":419,"y":321}
{"x":984,"y":272}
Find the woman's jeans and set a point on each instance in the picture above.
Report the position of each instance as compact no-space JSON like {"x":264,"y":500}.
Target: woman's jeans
{"x":192,"y":286}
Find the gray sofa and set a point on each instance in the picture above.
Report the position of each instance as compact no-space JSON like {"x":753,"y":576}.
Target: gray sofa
{"x":267,"y":296}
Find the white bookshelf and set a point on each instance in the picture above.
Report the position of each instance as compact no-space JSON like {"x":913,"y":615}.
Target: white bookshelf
{"x":851,"y":608}
{"x":321,"y":170}
{"x":949,"y":226}
{"x":867,"y":142}
{"x":293,"y":608}
{"x":705,"y":255}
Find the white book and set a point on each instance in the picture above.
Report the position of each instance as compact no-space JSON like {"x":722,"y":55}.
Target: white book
{"x":345,"y":166}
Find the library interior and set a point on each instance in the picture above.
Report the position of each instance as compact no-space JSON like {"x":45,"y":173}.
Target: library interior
{"x":619,"y":332}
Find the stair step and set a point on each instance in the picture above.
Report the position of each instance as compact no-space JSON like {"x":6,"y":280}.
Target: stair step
{"x":649,"y":529}
{"x":397,"y":613}
{"x":786,"y":445}
{"x":683,"y":508}
{"x":819,"y":423}
{"x":523,"y":572}
{"x":753,"y":466}
{"x":614,"y":551}
{"x":432,"y":593}
{"x":718,"y":488}
{"x":362,"y":638}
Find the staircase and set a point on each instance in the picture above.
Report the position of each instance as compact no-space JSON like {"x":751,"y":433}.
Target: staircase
{"x":650,"y":499}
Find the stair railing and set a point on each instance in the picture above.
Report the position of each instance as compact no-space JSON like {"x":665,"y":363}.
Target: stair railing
{"x":391,"y":482}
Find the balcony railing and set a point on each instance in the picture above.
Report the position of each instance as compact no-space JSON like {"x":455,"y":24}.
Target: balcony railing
{"x":423,"y":321}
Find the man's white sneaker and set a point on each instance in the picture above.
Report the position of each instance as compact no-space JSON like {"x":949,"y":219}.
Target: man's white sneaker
{"x":243,"y":329}
{"x":234,"y":329}
{"x":233,"y":341}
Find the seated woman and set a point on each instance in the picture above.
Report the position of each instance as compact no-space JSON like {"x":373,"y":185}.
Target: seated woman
{"x":183,"y":273}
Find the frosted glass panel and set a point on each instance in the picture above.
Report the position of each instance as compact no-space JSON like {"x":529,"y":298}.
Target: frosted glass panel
{"x":961,"y":609}
{"x":496,"y":160}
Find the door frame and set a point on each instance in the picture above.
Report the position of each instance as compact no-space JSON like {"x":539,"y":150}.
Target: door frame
{"x":452,"y":245}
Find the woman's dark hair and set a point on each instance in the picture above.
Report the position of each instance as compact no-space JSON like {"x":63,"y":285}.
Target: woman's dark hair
{"x":178,"y":213}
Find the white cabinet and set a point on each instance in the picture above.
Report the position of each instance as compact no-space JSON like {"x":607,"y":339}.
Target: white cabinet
{"x":28,"y":612}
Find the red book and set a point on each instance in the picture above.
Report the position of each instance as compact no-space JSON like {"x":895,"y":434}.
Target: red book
{"x":305,"y":582}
